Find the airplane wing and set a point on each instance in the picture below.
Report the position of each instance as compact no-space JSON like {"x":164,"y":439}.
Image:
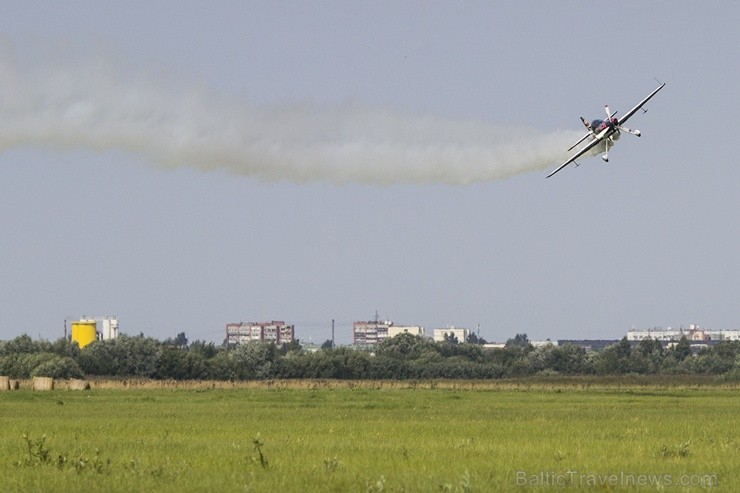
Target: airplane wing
{"x":578,"y":154}
{"x":581,"y":140}
{"x":640,"y":105}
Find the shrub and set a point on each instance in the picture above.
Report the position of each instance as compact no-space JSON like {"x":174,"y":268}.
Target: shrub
{"x":58,"y":367}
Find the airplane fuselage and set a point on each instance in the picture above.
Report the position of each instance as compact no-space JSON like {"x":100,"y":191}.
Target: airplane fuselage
{"x":606,"y":133}
{"x":606,"y":129}
{"x":600,"y":125}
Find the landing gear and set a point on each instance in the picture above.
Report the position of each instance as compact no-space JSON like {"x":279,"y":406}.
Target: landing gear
{"x":605,"y":156}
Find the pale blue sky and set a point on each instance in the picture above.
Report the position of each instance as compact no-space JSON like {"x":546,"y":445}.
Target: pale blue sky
{"x":650,"y":239}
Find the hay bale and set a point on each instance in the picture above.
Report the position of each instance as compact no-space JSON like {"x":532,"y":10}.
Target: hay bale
{"x":15,"y":384}
{"x":4,"y":383}
{"x":76,"y":384}
{"x":43,"y":383}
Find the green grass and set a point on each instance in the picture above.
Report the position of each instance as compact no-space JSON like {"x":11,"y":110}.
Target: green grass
{"x":365,"y":439}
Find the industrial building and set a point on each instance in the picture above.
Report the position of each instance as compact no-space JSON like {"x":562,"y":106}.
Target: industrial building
{"x":275,"y":331}
{"x":89,"y":329}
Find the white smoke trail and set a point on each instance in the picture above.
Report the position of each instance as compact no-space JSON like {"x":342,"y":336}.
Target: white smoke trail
{"x":92,"y":107}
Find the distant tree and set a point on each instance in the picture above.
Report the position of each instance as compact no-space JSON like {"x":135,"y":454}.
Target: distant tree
{"x":512,"y":359}
{"x":206,"y":349}
{"x":649,"y":347}
{"x":451,"y":338}
{"x":647,"y":356}
{"x":294,"y":345}
{"x":66,"y":347}
{"x":474,"y":339}
{"x":21,"y":344}
{"x":728,"y":350}
{"x":328,"y":344}
{"x":180,"y":365}
{"x":385,"y":367}
{"x":22,"y":365}
{"x":709,"y":363}
{"x":624,"y":348}
{"x":22,"y":357}
{"x":568,"y":359}
{"x":125,"y":356}
{"x":682,"y":349}
{"x":404,"y":346}
{"x":255,"y":359}
{"x":469,"y":352}
{"x":614,"y":359}
{"x":222,"y":366}
{"x":58,"y":367}
{"x":344,"y":363}
{"x":572,"y":359}
{"x":519,"y":341}
{"x":181,"y":340}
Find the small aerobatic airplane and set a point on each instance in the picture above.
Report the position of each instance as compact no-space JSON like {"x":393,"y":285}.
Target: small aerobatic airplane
{"x":605,"y":132}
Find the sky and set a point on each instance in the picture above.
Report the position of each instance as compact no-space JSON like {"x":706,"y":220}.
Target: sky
{"x":183,"y":165}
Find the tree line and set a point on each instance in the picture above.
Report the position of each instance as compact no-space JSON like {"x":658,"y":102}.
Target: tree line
{"x":401,"y":357}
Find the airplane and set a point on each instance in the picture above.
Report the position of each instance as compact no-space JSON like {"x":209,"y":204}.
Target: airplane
{"x":605,"y":132}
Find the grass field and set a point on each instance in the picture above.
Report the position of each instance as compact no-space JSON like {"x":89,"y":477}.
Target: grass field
{"x":353,"y":437}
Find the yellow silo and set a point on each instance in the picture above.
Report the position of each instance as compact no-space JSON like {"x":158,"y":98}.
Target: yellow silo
{"x":83,"y":331}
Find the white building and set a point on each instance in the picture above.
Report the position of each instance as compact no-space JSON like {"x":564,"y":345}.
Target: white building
{"x":721,"y":335}
{"x":414,"y":330}
{"x":460,"y":334}
{"x":694,"y":333}
{"x":494,"y":345}
{"x":547,"y":342}
{"x":657,"y":333}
